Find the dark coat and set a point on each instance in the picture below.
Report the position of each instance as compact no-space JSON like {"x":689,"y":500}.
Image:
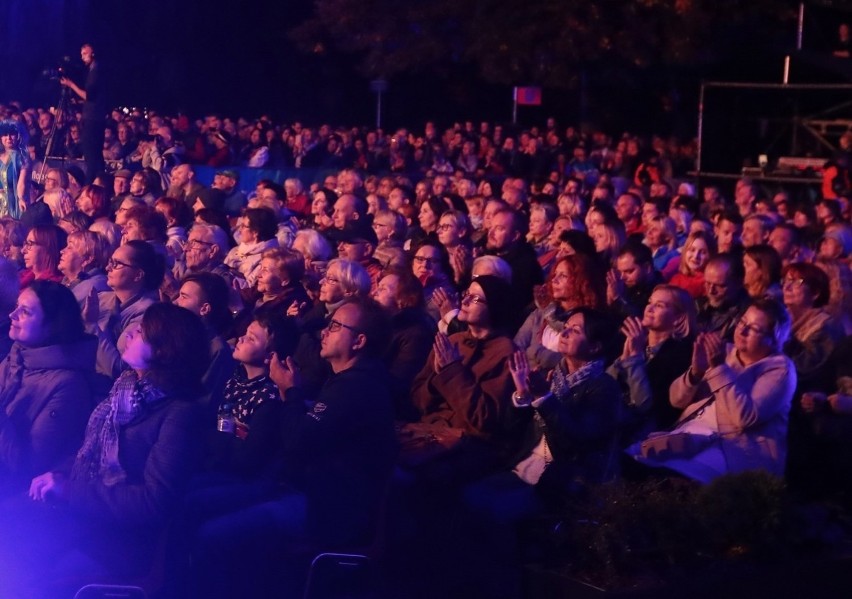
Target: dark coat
{"x":412,"y":335}
{"x":582,"y":429}
{"x":346,"y":447}
{"x":159,"y":452}
{"x":44,"y":412}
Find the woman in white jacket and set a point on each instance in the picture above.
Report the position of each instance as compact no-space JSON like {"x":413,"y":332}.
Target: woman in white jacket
{"x":735,"y":400}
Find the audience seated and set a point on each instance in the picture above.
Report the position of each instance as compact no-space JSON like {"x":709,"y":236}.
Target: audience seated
{"x":735,"y":402}
{"x":410,"y":218}
{"x":107,"y":509}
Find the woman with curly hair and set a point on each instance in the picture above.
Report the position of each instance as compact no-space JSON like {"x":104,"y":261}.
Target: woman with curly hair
{"x":576,"y":281}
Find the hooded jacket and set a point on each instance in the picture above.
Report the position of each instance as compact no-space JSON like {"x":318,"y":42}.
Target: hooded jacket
{"x":45,"y":401}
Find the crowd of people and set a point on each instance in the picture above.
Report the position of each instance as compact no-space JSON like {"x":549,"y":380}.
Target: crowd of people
{"x":478,"y":324}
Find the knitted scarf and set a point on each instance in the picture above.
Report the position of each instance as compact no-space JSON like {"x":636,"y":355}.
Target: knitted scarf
{"x":562,"y":382}
{"x":98,"y":457}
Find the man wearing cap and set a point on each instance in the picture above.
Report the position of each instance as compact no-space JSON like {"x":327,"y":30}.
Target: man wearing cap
{"x":235,"y":200}
{"x":356,"y":243}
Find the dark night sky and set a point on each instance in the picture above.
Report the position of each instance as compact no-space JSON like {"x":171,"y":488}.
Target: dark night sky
{"x":201,"y":55}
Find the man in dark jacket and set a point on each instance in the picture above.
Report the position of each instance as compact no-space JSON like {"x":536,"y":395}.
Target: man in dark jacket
{"x":347,"y":449}
{"x":726,"y":300}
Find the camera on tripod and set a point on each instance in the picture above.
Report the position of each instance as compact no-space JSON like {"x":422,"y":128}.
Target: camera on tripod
{"x":58,"y":71}
{"x":53,"y":74}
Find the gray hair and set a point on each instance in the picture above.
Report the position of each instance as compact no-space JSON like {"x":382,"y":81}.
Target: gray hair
{"x":494,"y":266}
{"x":217,"y":235}
{"x":354,"y":279}
{"x":317,"y":247}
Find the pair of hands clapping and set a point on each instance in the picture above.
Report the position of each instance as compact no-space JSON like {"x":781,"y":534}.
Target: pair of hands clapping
{"x":445,"y":352}
{"x":529,"y":382}
{"x":708,"y":351}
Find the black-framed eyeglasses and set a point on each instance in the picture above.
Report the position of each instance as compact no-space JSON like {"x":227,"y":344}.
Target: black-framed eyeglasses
{"x":425,"y":260}
{"x":335,"y":325}
{"x":113,"y":264}
{"x":31,"y":243}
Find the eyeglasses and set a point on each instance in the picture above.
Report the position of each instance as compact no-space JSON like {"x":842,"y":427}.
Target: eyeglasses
{"x":197,"y":244}
{"x":747,"y":329}
{"x":335,"y":325}
{"x":113,"y":264}
{"x":471,"y":298}
{"x":792,"y":282}
{"x":425,"y":260}
{"x":30,"y":244}
{"x":445,"y":227}
{"x":330,"y":280}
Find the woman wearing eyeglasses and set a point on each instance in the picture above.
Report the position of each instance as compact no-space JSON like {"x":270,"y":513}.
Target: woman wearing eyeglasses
{"x":465,"y":383}
{"x":735,"y":400}
{"x":134,"y":273}
{"x":815,"y":332}
{"x":41,"y":254}
{"x":431,"y":265}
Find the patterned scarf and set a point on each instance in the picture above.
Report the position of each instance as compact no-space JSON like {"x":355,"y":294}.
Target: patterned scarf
{"x":98,"y":457}
{"x":562,"y":382}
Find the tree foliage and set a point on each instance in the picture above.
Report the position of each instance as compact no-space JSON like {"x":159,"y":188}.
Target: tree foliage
{"x":538,"y":41}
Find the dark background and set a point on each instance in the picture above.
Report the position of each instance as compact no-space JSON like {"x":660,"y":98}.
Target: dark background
{"x":237,"y":59}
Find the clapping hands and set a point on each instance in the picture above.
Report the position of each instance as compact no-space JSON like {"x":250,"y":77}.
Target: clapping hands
{"x":636,"y":337}
{"x":445,"y":352}
{"x":707,"y":351}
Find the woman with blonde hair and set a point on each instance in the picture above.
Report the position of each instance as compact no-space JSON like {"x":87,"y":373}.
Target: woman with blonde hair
{"x":697,"y":251}
{"x":657,"y":349}
{"x":608,"y":238}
